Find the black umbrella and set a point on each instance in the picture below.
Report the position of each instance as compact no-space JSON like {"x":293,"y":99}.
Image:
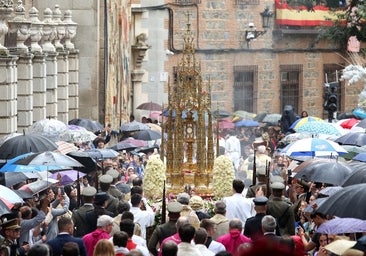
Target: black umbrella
{"x":350,"y":202}
{"x":99,"y":154}
{"x":123,"y":145}
{"x":352,"y":138}
{"x":328,"y":171}
{"x":24,"y":144}
{"x":362,"y":124}
{"x":90,"y":165}
{"x":134,"y":126}
{"x":147,"y":135}
{"x":218,"y":114}
{"x":356,"y":177}
{"x":151,"y":106}
{"x":88,"y":124}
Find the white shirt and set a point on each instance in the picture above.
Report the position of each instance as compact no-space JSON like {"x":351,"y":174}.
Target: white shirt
{"x":204,"y":250}
{"x":216,"y":247}
{"x":239,"y":207}
{"x":187,"y":249}
{"x":144,"y":218}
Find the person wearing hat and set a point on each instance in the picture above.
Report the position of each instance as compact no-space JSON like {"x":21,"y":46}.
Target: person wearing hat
{"x":281,"y":208}
{"x":113,"y":190}
{"x":105,"y":182}
{"x":253,"y":225}
{"x":10,"y":229}
{"x":261,"y":181}
{"x":196,"y":203}
{"x":187,"y":211}
{"x":298,"y":193}
{"x":167,"y":229}
{"x":100,"y":201}
{"x":82,"y":226}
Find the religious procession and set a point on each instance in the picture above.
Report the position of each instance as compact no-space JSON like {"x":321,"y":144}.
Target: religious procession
{"x":188,"y":179}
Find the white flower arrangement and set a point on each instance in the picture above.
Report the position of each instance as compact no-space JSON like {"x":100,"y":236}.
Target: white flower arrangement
{"x":223,"y":176}
{"x":154,"y":177}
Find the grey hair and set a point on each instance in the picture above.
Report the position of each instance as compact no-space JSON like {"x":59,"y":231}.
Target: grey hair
{"x":236,"y":224}
{"x":104,"y":220}
{"x":269,"y":223}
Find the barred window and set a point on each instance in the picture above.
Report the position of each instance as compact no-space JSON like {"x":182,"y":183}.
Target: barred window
{"x":290,"y":80}
{"x":245,"y":78}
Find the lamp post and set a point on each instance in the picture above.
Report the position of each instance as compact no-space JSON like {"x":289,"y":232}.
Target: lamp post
{"x":266,"y":17}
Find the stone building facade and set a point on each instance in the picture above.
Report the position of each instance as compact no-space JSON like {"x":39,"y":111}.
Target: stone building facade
{"x":284,"y":64}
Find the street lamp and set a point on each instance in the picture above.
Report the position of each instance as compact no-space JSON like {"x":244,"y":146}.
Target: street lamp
{"x":266,"y":17}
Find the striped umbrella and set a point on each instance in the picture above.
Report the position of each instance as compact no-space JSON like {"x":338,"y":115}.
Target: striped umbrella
{"x":299,"y":122}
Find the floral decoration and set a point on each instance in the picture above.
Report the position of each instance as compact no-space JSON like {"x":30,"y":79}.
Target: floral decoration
{"x":154,"y":177}
{"x":223,"y":176}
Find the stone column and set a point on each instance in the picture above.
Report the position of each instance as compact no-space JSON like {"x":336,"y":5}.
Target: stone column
{"x":49,"y":34}
{"x":8,"y":94}
{"x":63,"y":86}
{"x":73,"y":84}
{"x":25,"y":92}
{"x":39,"y":86}
{"x":35,"y":30}
{"x":51,"y":81}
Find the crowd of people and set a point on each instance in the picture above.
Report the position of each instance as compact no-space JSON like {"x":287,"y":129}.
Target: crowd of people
{"x":105,"y":213}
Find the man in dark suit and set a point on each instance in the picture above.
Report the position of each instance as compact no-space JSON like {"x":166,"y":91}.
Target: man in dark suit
{"x":253,"y":225}
{"x":66,"y":228}
{"x":82,"y":226}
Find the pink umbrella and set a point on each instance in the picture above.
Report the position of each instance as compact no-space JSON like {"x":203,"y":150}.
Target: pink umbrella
{"x":226,"y":124}
{"x":156,"y":115}
{"x":137,"y":143}
{"x":349,"y":123}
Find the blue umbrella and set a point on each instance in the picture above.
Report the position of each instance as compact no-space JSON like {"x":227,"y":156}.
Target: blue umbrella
{"x":319,"y":128}
{"x":246,"y":123}
{"x":11,"y":167}
{"x":361,"y":157}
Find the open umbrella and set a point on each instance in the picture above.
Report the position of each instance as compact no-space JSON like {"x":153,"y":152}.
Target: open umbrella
{"x":154,"y":127}
{"x":10,"y":195}
{"x":218,"y":114}
{"x":352,"y":138}
{"x":342,"y":226}
{"x":156,"y":115}
{"x":24,"y":144}
{"x":88,"y":124}
{"x":313,"y":147}
{"x":328,"y":171}
{"x":52,"y":129}
{"x":89,"y":163}
{"x":350,"y":202}
{"x":356,"y":177}
{"x":37,"y":186}
{"x":269,"y":118}
{"x":146,"y":135}
{"x":49,"y":159}
{"x":348,"y":123}
{"x":319,"y":128}
{"x":9,"y":136}
{"x":361,"y":157}
{"x":79,"y":134}
{"x":5,"y":205}
{"x":67,"y":177}
{"x":122,"y":145}
{"x":133,"y":126}
{"x":299,"y":122}
{"x":328,"y":191}
{"x":103,"y":153}
{"x":226,"y":124}
{"x":151,"y":106}
{"x":65,"y":147}
{"x":243,"y":115}
{"x":361,"y":124}
{"x":246,"y":123}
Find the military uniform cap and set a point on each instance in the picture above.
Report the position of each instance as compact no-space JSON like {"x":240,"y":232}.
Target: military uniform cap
{"x":89,"y":191}
{"x":100,"y":198}
{"x":260,"y":200}
{"x":174,"y":207}
{"x":11,"y":224}
{"x":276,"y":178}
{"x":105,"y":178}
{"x":114,"y":173}
{"x":277,"y":185}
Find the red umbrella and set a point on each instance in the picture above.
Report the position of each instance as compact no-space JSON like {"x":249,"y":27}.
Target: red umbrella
{"x":349,"y":123}
{"x":226,"y":124}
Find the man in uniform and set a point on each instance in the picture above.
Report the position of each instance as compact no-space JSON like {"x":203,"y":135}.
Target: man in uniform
{"x":261,"y":181}
{"x":281,"y":208}
{"x":167,"y":229}
{"x":253,"y":225}
{"x":113,"y":190}
{"x":79,"y":215}
{"x":105,"y":182}
{"x":11,"y":232}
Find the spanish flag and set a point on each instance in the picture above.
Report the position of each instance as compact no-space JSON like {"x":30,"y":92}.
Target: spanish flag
{"x":319,"y":15}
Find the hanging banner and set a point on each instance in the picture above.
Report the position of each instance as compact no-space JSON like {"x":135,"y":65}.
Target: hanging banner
{"x":318,"y":15}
